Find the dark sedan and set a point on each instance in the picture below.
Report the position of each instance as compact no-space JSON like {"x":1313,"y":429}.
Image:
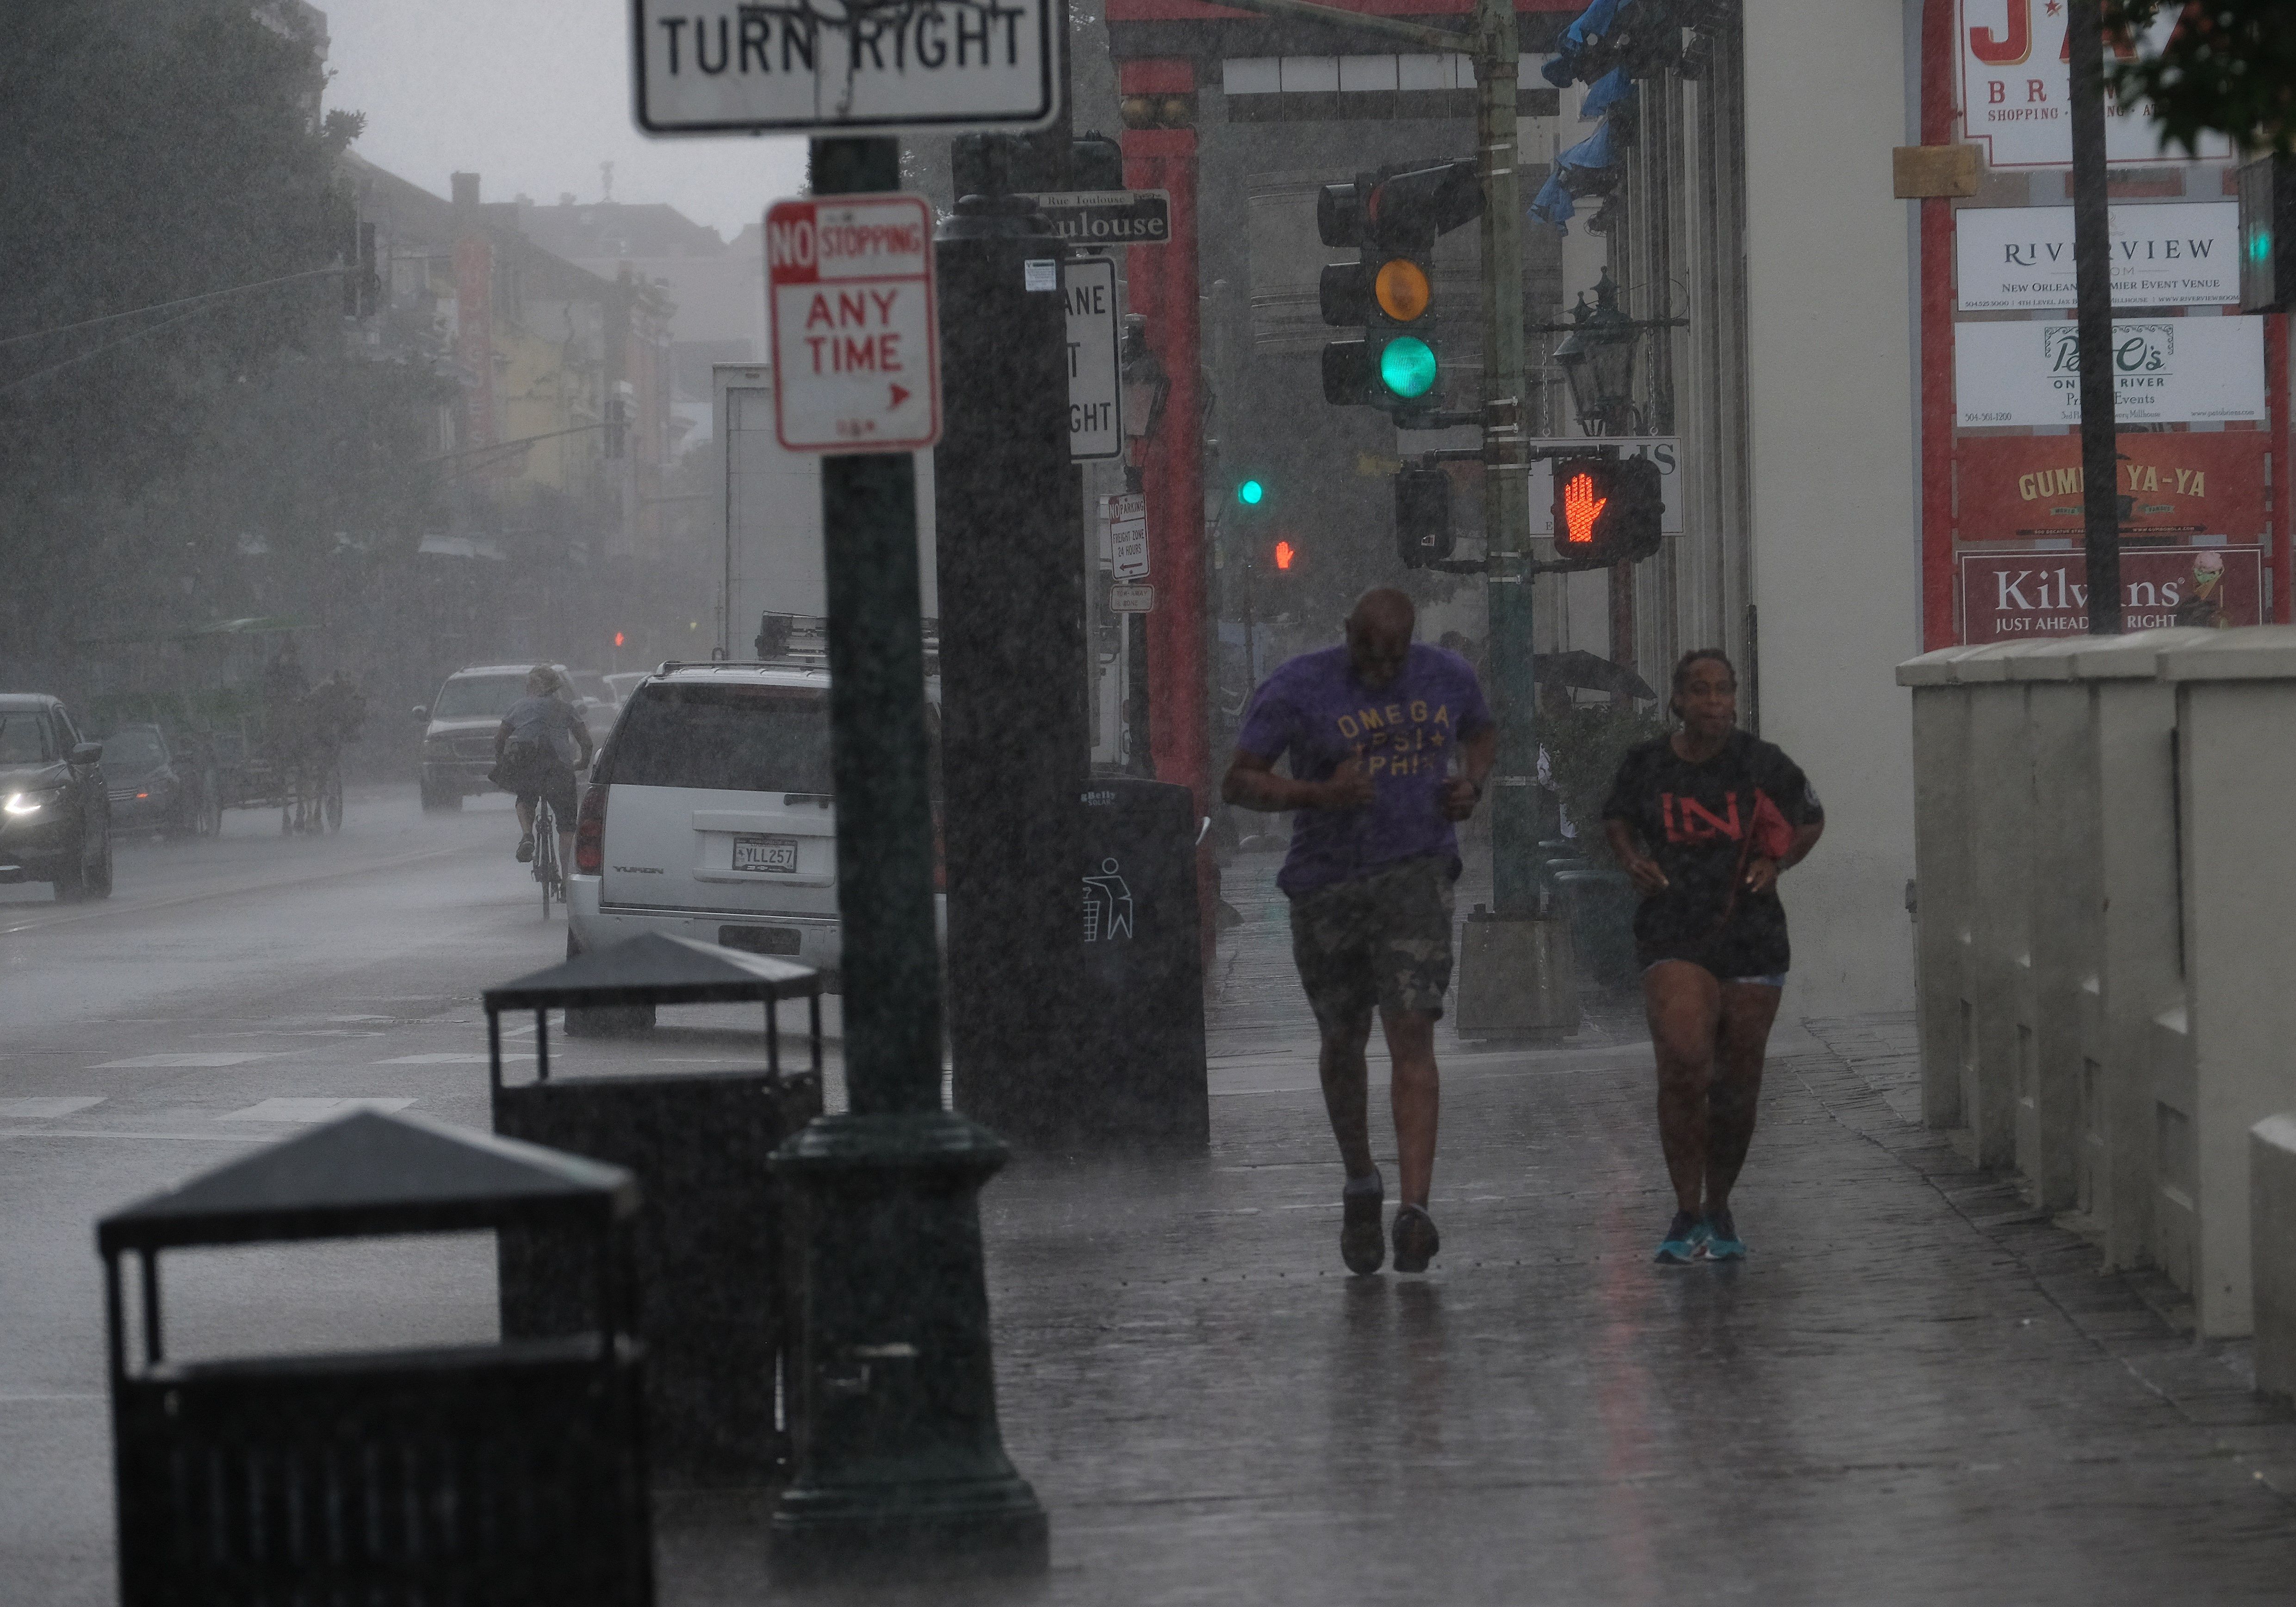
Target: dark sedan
{"x":156,"y":785}
{"x":55,"y":820}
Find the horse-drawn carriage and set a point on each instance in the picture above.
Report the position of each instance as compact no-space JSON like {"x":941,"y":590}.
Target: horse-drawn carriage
{"x":262,"y":738}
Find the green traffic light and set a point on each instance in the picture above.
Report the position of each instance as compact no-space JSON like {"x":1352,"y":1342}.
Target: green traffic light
{"x":1250,"y":493}
{"x":1406,"y":367}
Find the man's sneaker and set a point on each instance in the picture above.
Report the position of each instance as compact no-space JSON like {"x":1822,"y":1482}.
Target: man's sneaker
{"x":1362,"y":1245}
{"x":526,"y":849}
{"x":1722,"y":1240}
{"x":1416,"y":1238}
{"x":1683,"y":1236}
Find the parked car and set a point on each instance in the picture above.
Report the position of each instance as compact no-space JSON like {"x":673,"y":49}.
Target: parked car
{"x":55,"y":819}
{"x":157,"y":785}
{"x":458,"y":736}
{"x":710,"y":815}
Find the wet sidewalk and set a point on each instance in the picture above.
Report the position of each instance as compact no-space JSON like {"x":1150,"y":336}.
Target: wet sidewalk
{"x":1913,"y":1391}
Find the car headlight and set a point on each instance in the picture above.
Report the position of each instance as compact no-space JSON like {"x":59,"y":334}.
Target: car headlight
{"x":30,"y":803}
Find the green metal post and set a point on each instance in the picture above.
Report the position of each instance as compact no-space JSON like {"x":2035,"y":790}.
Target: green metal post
{"x":899,"y":1463}
{"x":1506,"y":512}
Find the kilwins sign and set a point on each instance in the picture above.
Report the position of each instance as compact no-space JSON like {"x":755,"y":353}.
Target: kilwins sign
{"x":2020,"y":258}
{"x":2166,"y":370}
{"x":2014,"y":596}
{"x":2014,"y":488}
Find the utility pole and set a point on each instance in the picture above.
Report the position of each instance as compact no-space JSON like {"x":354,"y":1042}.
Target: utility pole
{"x":2093,"y":301}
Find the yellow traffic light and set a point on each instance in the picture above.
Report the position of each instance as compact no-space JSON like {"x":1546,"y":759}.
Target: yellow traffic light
{"x":1401,"y":289}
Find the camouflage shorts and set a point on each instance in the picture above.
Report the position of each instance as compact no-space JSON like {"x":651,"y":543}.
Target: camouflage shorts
{"x":1381,"y":939}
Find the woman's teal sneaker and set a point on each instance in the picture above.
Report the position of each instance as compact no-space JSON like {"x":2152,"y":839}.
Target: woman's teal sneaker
{"x":1722,"y":1240}
{"x":1683,"y":1236}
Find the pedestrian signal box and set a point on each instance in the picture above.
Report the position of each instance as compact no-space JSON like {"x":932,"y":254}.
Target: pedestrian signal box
{"x":1607,"y":510}
{"x":1423,"y":516}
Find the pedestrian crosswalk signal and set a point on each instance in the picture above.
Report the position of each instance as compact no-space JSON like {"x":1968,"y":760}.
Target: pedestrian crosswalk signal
{"x":1423,"y":516}
{"x":1607,"y":510}
{"x":1393,"y":218}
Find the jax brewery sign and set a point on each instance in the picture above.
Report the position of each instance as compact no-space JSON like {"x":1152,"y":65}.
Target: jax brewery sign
{"x":2016,"y":83}
{"x":857,"y":352}
{"x":2015,"y":596}
{"x":843,"y":66}
{"x":1106,"y":217}
{"x":2168,"y":371}
{"x":2174,"y":254}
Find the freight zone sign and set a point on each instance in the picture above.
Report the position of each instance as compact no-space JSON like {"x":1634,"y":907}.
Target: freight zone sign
{"x":843,"y":66}
{"x":857,"y":352}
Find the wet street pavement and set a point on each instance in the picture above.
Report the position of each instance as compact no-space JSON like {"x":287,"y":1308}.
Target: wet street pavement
{"x":1914,"y":1390}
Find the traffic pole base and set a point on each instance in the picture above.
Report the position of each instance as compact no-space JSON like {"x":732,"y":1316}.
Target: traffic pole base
{"x":900,"y":1469}
{"x":1517,"y":978}
{"x":992,"y":1530}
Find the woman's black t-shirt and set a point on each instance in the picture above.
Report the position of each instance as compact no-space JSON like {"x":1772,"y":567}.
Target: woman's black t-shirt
{"x":1694,"y":821}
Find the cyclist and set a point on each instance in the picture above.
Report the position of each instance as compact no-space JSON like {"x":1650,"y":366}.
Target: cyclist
{"x":536,"y":757}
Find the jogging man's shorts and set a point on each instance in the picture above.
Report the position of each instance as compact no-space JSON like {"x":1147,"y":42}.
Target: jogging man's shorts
{"x":1383,"y":939}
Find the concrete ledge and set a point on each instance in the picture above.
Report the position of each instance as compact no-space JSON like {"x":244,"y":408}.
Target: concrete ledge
{"x":2272,"y":1250}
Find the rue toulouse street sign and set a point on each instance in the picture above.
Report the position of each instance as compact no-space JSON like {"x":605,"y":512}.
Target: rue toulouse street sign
{"x":1106,"y":217}
{"x":1089,"y":287}
{"x":843,"y":66}
{"x":857,"y":352}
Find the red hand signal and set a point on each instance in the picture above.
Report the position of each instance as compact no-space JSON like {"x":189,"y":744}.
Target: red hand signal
{"x":1581,"y":508}
{"x":1284,"y":552}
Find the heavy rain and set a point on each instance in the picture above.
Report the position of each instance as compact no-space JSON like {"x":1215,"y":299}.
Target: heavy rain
{"x":1146,"y":801}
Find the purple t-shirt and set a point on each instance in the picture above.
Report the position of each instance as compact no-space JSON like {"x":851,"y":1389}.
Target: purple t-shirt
{"x":1313,"y":709}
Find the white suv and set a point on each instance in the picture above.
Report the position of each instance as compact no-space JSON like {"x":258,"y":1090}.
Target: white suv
{"x":710,"y":815}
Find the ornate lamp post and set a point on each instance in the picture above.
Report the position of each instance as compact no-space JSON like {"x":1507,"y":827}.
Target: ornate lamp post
{"x":1597,"y":359}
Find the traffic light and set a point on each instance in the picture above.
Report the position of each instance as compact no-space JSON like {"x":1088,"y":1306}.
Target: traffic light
{"x":1606,"y":511}
{"x":1422,"y":515}
{"x":1250,"y":493}
{"x":1392,"y":217}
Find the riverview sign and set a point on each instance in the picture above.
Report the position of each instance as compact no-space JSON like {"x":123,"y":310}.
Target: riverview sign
{"x":2014,"y":488}
{"x":2174,"y":254}
{"x":2015,"y":596}
{"x":2167,"y":371}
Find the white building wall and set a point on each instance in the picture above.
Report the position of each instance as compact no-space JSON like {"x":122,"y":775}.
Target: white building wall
{"x":1836,"y":535}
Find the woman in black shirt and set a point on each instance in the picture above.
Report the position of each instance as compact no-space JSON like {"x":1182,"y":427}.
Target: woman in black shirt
{"x":1703,"y":820}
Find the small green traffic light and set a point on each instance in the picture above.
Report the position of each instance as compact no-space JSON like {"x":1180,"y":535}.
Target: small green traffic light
{"x":1250,"y":493}
{"x":1406,"y":367}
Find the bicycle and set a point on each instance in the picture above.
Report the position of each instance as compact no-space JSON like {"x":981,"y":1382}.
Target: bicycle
{"x":547,"y":868}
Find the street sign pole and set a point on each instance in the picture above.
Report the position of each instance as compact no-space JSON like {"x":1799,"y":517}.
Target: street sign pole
{"x":2092,"y":315}
{"x":899,"y":1461}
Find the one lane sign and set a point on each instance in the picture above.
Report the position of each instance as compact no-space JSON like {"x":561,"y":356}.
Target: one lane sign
{"x":857,"y":350}
{"x":1096,"y":391}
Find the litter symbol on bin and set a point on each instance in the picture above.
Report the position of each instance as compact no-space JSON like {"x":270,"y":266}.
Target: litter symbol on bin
{"x":1107,"y":906}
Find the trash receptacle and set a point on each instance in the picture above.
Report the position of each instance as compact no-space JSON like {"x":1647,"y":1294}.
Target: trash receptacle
{"x":708,"y":1242}
{"x":510,"y":1473}
{"x":1138,"y":1003}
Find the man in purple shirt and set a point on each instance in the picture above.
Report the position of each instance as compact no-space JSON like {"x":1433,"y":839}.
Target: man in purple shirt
{"x":1389,"y":741}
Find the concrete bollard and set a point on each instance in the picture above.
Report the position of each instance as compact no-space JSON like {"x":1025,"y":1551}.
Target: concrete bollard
{"x":2272,"y":1263}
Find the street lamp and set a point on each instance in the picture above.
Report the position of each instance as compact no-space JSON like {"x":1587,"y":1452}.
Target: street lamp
{"x":1597,"y":357}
